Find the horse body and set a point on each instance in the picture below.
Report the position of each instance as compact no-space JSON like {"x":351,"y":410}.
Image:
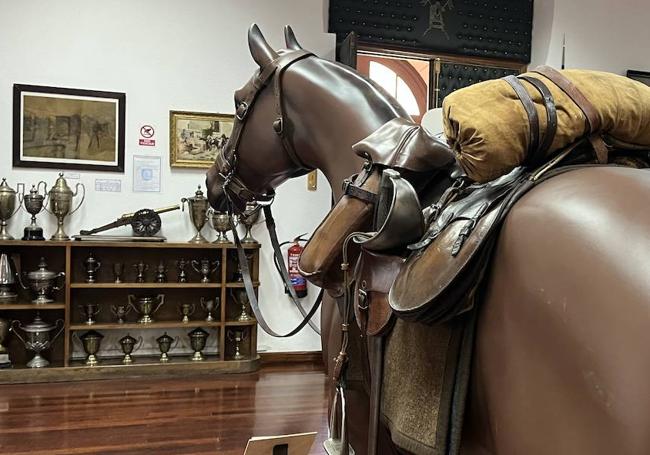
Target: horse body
{"x":559,"y":365}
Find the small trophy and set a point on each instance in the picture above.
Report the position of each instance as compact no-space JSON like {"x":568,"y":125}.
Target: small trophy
{"x":4,"y":353}
{"x":128,"y":345}
{"x":241,"y":297}
{"x":91,"y":341}
{"x":120,"y":311}
{"x":165,"y":345}
{"x":90,"y":310}
{"x":182,"y":274}
{"x":198,"y":207}
{"x":146,"y":305}
{"x":239,"y":274}
{"x":198,"y":337}
{"x":34,"y":203}
{"x":37,"y":338}
{"x":91,"y":267}
{"x":161,"y":273}
{"x":140,"y":269}
{"x":8,"y":276}
{"x":238,"y":336}
{"x":248,"y":219}
{"x":8,"y":206}
{"x":220,"y":222}
{"x":60,"y":201}
{"x":118,"y":272}
{"x":187,"y":310}
{"x":42,"y":282}
{"x":204,"y":267}
{"x":210,"y":306}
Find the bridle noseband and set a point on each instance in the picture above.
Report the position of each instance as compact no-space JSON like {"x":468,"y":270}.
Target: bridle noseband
{"x":236,"y":191}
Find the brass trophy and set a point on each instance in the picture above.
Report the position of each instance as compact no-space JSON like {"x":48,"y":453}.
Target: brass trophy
{"x":182,"y":274}
{"x":205,"y":268}
{"x":209,"y":306}
{"x":91,"y":267}
{"x":220,"y":222}
{"x":37,"y":338}
{"x":4,"y":353}
{"x":187,"y":310}
{"x":8,"y":276}
{"x":118,"y":272}
{"x":238,"y":336}
{"x":161,"y":273}
{"x":42,"y":282}
{"x":241,"y":297}
{"x":146,"y":305}
{"x":198,"y":337}
{"x":34,"y":203}
{"x":60,"y":201}
{"x":8,"y":206}
{"x":248,"y":219}
{"x":140,"y":269}
{"x":129,"y":345}
{"x":165,"y":345}
{"x":90,"y":310}
{"x":198,"y":207}
{"x":239,"y":274}
{"x":120,"y":311}
{"x":91,"y":341}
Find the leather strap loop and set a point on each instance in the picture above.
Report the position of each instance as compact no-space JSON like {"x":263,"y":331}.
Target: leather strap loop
{"x":537,"y":158}
{"x":352,"y":190}
{"x":531,"y":111}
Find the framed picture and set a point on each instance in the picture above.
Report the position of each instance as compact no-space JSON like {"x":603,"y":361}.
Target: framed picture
{"x":66,"y":128}
{"x":195,"y":138}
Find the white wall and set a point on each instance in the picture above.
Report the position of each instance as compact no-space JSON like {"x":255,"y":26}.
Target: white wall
{"x":600,"y":34}
{"x":165,"y":55}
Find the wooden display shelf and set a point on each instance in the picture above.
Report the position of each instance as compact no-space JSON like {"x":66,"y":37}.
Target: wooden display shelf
{"x":32,"y":306}
{"x":138,"y":326}
{"x":240,"y":323}
{"x":237,"y":284}
{"x":132,"y":285}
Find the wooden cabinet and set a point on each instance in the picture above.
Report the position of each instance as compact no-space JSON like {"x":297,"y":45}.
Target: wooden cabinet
{"x":67,"y":355}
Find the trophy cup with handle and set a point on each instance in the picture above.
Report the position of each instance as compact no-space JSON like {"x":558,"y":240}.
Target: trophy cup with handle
{"x":205,"y":267}
{"x":165,"y":345}
{"x":37,"y":337}
{"x":198,"y":338}
{"x":237,"y":336}
{"x":129,"y":345}
{"x":4,"y":353}
{"x":8,"y":276}
{"x":248,"y":219}
{"x":120,"y":312}
{"x":220,"y":222}
{"x":8,"y":207}
{"x":186,"y":310}
{"x":198,"y":207}
{"x":91,"y":267}
{"x":146,"y":305}
{"x":60,"y":201}
{"x":241,"y":297}
{"x":90,"y":310}
{"x":34,"y":203}
{"x":209,"y":306}
{"x":91,"y":342}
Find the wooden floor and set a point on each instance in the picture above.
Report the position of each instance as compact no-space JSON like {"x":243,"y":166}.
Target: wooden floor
{"x":194,"y":415}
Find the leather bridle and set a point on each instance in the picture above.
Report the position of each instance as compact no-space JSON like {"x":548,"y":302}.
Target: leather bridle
{"x":238,"y":194}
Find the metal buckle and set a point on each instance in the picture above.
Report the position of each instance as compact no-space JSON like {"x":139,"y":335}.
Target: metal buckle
{"x":242,"y":110}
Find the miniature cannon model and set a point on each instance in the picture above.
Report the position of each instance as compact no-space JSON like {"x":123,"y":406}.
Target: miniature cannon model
{"x":144,"y":222}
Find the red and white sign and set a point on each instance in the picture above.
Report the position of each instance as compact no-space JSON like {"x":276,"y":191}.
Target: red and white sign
{"x":147,"y":133}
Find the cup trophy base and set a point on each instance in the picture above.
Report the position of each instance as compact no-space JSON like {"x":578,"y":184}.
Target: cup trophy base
{"x":90,"y":322}
{"x":6,"y":295}
{"x":198,"y":357}
{"x":244,"y":317}
{"x":5,"y":236}
{"x":222,"y":241}
{"x":145,"y":320}
{"x":198,"y":238}
{"x":164,"y":358}
{"x":127,"y":360}
{"x":38,"y":362}
{"x":91,"y":360}
{"x":33,"y":233}
{"x":185,"y":320}
{"x":249,"y":241}
{"x":41,"y":300}
{"x":63,"y":237}
{"x":209,"y":318}
{"x":4,"y":360}
{"x":238,"y":356}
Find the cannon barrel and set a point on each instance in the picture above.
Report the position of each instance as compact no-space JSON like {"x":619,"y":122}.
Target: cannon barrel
{"x":171,"y":208}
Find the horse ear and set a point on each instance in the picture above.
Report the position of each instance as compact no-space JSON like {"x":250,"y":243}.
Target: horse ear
{"x":261,"y":52}
{"x":290,"y":39}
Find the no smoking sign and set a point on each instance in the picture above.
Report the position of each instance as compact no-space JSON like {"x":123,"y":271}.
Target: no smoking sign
{"x":147,"y":132}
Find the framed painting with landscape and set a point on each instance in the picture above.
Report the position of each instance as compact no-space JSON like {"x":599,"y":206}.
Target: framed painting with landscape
{"x":195,"y":138}
{"x":66,"y":128}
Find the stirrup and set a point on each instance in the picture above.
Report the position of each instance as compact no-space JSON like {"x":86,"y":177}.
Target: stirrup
{"x":335,"y":444}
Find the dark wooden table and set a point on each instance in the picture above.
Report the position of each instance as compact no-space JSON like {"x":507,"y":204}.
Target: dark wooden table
{"x":192,"y":415}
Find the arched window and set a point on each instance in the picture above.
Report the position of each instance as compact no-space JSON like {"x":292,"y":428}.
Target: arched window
{"x":395,"y":86}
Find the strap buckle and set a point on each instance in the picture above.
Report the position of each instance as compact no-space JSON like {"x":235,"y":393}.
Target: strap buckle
{"x":242,"y":111}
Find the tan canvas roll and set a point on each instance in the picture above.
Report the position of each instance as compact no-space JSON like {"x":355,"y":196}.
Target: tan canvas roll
{"x":488,"y":129}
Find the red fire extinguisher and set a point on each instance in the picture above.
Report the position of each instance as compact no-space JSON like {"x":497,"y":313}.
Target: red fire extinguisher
{"x":297,"y":280}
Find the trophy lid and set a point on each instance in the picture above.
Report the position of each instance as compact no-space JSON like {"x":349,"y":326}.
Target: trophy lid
{"x":5,"y":188}
{"x":61,"y":186}
{"x":38,"y":325}
{"x":198,"y":333}
{"x":127,"y":339}
{"x":198,"y":195}
{"x":91,"y":335}
{"x":34,"y":194}
{"x":164,"y":338}
{"x":42,"y":273}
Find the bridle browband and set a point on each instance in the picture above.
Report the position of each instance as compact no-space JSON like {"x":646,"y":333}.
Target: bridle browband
{"x":238,"y":194}
{"x":235,"y":190}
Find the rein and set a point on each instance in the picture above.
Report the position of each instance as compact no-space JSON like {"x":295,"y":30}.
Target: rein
{"x":238,"y":194}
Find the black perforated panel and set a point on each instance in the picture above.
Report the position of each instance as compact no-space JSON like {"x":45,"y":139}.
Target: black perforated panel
{"x":495,"y":28}
{"x":457,"y":75}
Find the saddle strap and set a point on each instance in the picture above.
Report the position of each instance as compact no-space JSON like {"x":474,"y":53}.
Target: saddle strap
{"x":531,"y":112}
{"x":592,"y":117}
{"x":551,"y":120}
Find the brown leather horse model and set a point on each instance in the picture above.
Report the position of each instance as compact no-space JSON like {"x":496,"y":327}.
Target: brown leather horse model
{"x":560,"y":365}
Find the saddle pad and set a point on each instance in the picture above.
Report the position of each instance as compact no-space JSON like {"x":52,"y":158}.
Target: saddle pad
{"x":374,"y":276}
{"x":488,"y":128}
{"x":451,"y":258}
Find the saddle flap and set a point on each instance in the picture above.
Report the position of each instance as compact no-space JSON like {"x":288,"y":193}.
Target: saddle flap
{"x":374,"y":275}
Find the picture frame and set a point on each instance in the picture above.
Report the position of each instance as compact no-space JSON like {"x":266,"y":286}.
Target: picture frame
{"x":68,"y":128}
{"x":195,"y":138}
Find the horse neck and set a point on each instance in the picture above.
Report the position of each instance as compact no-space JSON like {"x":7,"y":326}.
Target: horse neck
{"x":334,"y":108}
